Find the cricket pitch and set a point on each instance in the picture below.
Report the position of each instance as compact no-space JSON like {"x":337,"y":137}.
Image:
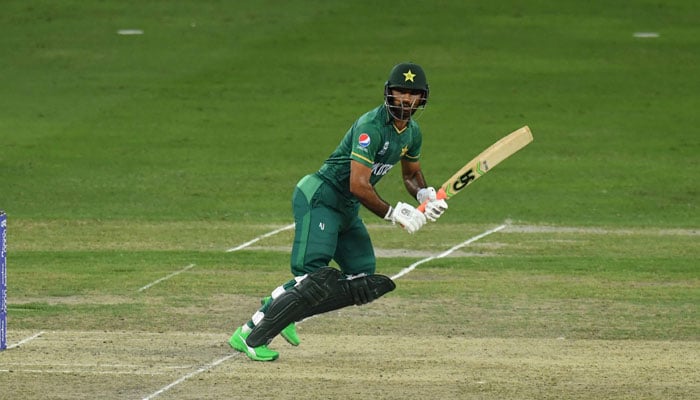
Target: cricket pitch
{"x":173,"y":365}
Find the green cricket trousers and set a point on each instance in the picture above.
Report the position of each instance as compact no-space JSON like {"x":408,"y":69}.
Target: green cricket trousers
{"x":328,"y":227}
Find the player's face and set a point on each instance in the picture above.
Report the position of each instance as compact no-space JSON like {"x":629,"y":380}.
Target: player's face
{"x":406,"y":98}
{"x":406,"y":101}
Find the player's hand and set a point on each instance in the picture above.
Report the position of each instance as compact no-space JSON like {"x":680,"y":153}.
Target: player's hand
{"x":434,"y":208}
{"x":424,"y":194}
{"x":407,"y":216}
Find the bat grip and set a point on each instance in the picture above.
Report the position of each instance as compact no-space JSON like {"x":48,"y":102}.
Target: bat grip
{"x":441,"y":194}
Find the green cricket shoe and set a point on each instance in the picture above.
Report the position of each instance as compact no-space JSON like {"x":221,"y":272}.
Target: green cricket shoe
{"x":260,"y":353}
{"x":290,"y":332}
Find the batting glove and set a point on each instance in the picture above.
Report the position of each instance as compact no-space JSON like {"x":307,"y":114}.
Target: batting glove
{"x":428,"y":194}
{"x":406,"y":216}
{"x":434,"y":208}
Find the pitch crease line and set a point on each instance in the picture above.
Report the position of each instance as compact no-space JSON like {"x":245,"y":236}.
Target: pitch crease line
{"x":441,"y":255}
{"x":188,"y":376}
{"x":248,"y":243}
{"x":166,"y":277}
{"x":448,"y":251}
{"x":74,"y":372}
{"x":23,"y":341}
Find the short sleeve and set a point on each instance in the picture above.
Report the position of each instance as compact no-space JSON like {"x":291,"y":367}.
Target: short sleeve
{"x":365,"y":143}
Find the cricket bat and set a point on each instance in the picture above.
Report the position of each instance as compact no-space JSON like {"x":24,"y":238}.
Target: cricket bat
{"x":483,"y":163}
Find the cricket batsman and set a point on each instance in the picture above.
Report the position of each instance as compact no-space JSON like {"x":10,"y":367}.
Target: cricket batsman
{"x":326,"y":205}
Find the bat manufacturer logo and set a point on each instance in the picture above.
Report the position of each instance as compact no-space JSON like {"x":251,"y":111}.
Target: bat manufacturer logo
{"x":482,"y":167}
{"x":463,"y":180}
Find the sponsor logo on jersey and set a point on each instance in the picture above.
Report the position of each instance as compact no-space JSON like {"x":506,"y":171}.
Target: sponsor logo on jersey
{"x":363,"y":140}
{"x":381,"y":169}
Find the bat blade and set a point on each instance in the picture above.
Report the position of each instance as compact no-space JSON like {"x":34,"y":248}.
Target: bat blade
{"x":484,"y":162}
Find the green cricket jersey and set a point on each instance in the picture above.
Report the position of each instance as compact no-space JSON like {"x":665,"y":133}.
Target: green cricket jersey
{"x":375,"y":142}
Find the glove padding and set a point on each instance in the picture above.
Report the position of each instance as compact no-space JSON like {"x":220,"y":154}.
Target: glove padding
{"x":407,"y":216}
{"x":434,"y":208}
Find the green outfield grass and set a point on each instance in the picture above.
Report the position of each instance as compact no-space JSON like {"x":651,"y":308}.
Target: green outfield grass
{"x":127,"y":158}
{"x":216,"y":103}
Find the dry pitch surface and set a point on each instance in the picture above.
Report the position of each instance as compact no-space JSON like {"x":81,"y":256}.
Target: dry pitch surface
{"x":138,"y":365}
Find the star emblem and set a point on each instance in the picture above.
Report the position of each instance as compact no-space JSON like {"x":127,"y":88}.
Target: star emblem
{"x":409,"y":76}
{"x":404,"y":150}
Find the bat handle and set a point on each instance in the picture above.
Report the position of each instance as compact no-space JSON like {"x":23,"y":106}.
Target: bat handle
{"x":441,"y":194}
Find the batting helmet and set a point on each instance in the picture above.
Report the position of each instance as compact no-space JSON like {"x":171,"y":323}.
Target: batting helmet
{"x":408,"y":76}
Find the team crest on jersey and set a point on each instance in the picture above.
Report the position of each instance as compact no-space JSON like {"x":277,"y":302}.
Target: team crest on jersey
{"x":364,"y":140}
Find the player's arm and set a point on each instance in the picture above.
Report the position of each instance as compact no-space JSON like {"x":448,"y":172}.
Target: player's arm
{"x":361,"y":187}
{"x":412,"y":176}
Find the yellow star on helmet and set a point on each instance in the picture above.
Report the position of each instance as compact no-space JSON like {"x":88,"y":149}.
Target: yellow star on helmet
{"x":409,"y":76}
